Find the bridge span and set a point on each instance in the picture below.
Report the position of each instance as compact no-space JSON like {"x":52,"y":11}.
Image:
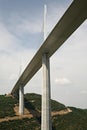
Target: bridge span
{"x":74,"y":16}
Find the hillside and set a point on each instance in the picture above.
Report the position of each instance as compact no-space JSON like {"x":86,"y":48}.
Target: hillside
{"x":63,"y":118}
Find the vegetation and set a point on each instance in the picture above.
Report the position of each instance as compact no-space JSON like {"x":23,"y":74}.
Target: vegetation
{"x":7,"y":106}
{"x":34,"y":102}
{"x":75,"y":120}
{"x":56,"y":106}
{"x":22,"y":124}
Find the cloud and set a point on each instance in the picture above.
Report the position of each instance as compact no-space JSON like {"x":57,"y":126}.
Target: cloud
{"x":11,"y":51}
{"x":7,"y":40}
{"x":31,"y":27}
{"x":62,"y":81}
{"x":5,"y":37}
{"x":21,"y":26}
{"x":13,"y":76}
{"x":10,"y":67}
{"x":54,"y":12}
{"x":83,"y":92}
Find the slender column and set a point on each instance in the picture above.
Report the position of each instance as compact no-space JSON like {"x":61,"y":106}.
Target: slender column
{"x":45,"y":14}
{"x":46,"y":105}
{"x":21,"y":100}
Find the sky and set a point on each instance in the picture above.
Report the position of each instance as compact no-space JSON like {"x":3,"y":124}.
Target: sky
{"x":21,"y":35}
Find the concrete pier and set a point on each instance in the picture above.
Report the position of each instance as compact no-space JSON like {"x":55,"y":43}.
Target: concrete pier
{"x":21,"y":100}
{"x":46,"y":105}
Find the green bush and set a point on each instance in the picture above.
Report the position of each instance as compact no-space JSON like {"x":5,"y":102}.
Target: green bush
{"x":24,"y":124}
{"x":7,"y":106}
{"x":76,"y":120}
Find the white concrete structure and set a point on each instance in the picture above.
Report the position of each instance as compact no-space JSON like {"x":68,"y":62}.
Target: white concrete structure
{"x":46,"y":100}
{"x":46,"y":123}
{"x":45,"y":14}
{"x":75,"y":15}
{"x":21,"y":100}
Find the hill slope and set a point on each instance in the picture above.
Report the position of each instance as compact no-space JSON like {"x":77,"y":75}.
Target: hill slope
{"x":63,"y":118}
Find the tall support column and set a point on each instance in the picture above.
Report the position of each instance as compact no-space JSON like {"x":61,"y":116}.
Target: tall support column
{"x":21,"y":100}
{"x":46,"y":102}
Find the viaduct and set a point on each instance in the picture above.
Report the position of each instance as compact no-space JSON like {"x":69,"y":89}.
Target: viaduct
{"x":74,"y":16}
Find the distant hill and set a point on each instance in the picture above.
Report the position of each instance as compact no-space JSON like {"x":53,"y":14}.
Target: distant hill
{"x":63,"y":118}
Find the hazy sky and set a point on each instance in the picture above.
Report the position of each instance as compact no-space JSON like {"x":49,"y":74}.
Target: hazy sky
{"x":21,"y":34}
